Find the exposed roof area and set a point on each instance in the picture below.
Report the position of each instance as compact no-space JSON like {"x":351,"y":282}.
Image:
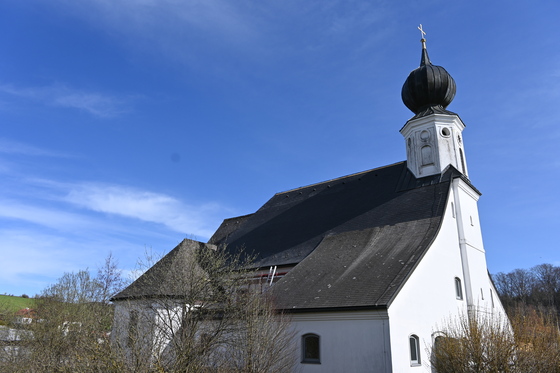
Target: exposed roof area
{"x":357,"y":269}
{"x":356,"y":238}
{"x":292,"y":224}
{"x":353,"y":240}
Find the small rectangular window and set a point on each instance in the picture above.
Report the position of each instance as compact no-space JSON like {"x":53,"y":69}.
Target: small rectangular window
{"x":311,"y":349}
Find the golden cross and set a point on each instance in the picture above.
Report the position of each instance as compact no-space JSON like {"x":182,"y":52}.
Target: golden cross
{"x":422,"y":33}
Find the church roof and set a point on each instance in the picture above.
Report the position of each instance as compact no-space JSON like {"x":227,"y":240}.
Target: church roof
{"x":167,"y":278}
{"x":355,"y":239}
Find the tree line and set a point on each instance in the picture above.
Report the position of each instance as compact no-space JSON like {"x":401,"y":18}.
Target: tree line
{"x":537,"y":287}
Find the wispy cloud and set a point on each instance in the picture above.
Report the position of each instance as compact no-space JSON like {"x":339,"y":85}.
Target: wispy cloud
{"x":32,"y":258}
{"x":189,"y":30}
{"x":169,"y":19}
{"x":41,"y":215}
{"x":9,"y":146}
{"x":48,"y":227}
{"x":60,"y":95}
{"x":144,"y":205}
{"x":45,"y":202}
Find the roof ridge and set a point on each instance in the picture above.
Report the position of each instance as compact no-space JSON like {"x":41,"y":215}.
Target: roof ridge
{"x":338,"y":178}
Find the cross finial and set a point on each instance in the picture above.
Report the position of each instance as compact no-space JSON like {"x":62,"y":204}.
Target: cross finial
{"x":422,"y":34}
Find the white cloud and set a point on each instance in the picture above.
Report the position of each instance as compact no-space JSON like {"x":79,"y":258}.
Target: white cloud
{"x":60,"y":95}
{"x":14,"y":147}
{"x":49,"y":227}
{"x":33,"y":259}
{"x":45,"y":202}
{"x":188,"y":30}
{"x":163,"y":20}
{"x":144,"y":205}
{"x":45,"y":216}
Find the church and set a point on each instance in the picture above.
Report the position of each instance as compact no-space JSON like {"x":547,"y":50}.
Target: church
{"x":369,"y":265}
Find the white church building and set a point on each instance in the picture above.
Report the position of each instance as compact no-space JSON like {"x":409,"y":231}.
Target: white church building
{"x":370,"y":265}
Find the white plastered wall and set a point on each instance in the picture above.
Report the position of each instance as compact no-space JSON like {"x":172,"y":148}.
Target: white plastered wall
{"x":154,"y":326}
{"x":428,"y":299}
{"x":143,"y":340}
{"x":352,"y":341}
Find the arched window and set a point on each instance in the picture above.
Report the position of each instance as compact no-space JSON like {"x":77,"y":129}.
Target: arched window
{"x":458,"y":288}
{"x":427,"y":155}
{"x":414,"y":350}
{"x":310,"y":349}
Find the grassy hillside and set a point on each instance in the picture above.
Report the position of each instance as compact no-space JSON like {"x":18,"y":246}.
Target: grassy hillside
{"x":11,"y":303}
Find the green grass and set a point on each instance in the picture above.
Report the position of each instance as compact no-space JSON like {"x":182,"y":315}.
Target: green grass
{"x":13,"y":304}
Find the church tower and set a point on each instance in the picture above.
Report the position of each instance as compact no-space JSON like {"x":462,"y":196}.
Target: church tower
{"x":433,"y":136}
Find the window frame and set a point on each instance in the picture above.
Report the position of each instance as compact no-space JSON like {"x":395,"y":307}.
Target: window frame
{"x":414,"y":350}
{"x":304,"y":349}
{"x":458,"y":288}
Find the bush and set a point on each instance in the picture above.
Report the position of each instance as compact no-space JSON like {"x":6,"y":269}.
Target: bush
{"x":485,"y":343}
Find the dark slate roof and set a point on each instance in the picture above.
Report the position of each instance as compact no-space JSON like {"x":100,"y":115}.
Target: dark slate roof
{"x":353,"y":240}
{"x":166,"y":276}
{"x":356,"y":238}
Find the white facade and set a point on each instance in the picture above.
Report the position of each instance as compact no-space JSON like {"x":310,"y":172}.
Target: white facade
{"x":429,"y":298}
{"x":379,"y":341}
{"x":434,"y":142}
{"x":351,"y":341}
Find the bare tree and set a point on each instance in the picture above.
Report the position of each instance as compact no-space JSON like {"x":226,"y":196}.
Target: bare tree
{"x":515,"y":286}
{"x":70,"y":333}
{"x":537,"y":339}
{"x":547,"y":283}
{"x":475,"y":344}
{"x":198,"y":310}
{"x":486,"y":343}
{"x":110,"y":279}
{"x":538,"y":287}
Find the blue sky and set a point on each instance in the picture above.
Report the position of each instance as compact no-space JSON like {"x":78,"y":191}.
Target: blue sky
{"x":132,"y":124}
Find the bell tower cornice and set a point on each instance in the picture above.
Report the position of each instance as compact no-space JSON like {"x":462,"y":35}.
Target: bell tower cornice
{"x":434,"y":142}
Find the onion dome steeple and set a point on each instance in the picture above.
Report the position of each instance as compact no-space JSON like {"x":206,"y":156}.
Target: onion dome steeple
{"x":433,"y":136}
{"x":428,"y":87}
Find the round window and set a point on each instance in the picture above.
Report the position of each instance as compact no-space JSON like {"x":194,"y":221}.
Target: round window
{"x":445,"y":132}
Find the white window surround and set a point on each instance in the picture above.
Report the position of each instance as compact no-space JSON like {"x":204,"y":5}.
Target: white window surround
{"x":414,"y":344}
